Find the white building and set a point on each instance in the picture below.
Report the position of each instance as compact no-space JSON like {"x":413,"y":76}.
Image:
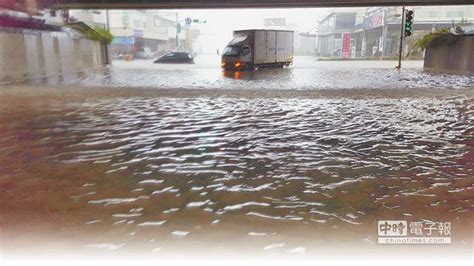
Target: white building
{"x":134,"y":31}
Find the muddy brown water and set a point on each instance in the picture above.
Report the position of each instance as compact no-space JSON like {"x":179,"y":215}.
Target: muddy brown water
{"x":299,"y":171}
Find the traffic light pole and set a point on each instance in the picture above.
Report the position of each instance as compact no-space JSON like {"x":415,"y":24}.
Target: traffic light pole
{"x":402,"y":33}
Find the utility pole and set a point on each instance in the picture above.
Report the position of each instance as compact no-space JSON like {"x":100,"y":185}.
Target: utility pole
{"x":384,"y":32}
{"x":177,"y":33}
{"x":107,"y":27}
{"x":107,"y":23}
{"x":402,"y":33}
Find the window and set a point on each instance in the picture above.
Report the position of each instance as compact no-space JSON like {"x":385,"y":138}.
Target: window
{"x":345,"y":20}
{"x":125,"y":21}
{"x":245,"y":51}
{"x":455,"y":14}
{"x":136,"y":24}
{"x":433,"y":14}
{"x":156,"y":21}
{"x":231,"y":51}
{"x":331,"y":22}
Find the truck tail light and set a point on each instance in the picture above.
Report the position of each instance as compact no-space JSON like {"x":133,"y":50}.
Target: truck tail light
{"x":237,"y":64}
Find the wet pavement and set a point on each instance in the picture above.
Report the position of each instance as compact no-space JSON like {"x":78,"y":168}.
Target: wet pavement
{"x":285,"y":160}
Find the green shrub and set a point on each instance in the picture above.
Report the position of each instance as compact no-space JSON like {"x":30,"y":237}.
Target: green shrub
{"x":436,"y":38}
{"x":96,"y":34}
{"x":100,"y":35}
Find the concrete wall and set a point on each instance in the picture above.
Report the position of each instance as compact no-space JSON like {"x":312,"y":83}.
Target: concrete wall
{"x":457,"y":58}
{"x":34,"y":54}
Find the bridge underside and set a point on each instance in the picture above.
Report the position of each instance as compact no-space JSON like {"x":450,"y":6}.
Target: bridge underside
{"x":190,"y":4}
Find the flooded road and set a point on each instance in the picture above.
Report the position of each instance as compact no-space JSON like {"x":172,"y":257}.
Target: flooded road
{"x":163,"y":158}
{"x":305,"y":74}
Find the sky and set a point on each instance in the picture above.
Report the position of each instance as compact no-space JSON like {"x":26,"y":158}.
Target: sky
{"x":217,"y":32}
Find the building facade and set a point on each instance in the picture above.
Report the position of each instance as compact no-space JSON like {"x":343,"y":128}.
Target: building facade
{"x":336,"y":29}
{"x":143,"y":33}
{"x":375,"y":32}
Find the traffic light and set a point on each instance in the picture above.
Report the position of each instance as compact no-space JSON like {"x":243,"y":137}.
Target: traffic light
{"x":409,"y":23}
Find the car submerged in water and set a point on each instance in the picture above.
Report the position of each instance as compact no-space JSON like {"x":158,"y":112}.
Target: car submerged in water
{"x":175,"y":58}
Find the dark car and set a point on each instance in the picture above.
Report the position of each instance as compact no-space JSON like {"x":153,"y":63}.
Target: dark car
{"x":176,"y":58}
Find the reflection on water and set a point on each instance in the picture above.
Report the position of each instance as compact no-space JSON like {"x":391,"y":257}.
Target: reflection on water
{"x":279,"y":173}
{"x":232,"y":74}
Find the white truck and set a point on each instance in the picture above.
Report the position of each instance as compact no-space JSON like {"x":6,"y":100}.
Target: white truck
{"x":251,"y":49}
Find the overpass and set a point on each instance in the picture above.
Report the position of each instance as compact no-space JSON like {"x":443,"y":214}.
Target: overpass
{"x":192,"y":4}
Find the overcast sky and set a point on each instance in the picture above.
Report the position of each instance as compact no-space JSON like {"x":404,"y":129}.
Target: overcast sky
{"x":217,"y":32}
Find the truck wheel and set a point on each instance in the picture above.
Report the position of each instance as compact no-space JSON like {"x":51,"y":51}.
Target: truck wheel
{"x":280,"y":65}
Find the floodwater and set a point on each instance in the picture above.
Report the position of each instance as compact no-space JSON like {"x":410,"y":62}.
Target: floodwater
{"x":163,"y":158}
{"x":305,"y":74}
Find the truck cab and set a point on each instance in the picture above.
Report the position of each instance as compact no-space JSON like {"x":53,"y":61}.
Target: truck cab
{"x":237,"y":55}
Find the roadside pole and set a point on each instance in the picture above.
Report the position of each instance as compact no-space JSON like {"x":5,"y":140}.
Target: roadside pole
{"x":107,"y":23}
{"x":402,"y":33}
{"x":384,"y":34}
{"x":177,"y":33}
{"x":107,"y":26}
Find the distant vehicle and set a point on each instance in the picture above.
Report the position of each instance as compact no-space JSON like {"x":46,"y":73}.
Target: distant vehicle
{"x":175,"y":58}
{"x":144,"y":52}
{"x":251,"y":49}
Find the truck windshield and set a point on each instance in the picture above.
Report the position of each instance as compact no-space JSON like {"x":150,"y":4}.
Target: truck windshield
{"x":231,"y":51}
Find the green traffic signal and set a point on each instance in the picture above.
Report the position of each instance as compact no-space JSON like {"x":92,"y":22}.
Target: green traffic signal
{"x":409,"y":23}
